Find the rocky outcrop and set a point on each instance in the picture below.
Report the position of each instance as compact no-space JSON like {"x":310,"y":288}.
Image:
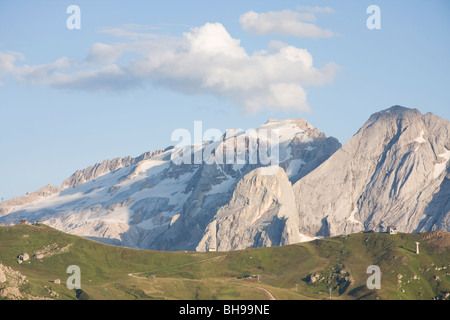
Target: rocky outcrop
{"x":23,"y":257}
{"x":261,"y":213}
{"x":2,"y":276}
{"x":51,"y":250}
{"x":10,"y":283}
{"x":15,"y":286}
{"x":8,"y":205}
{"x":107,"y":166}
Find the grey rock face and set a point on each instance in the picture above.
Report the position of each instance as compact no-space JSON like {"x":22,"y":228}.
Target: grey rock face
{"x":107,"y":166}
{"x":261,"y":213}
{"x":393,"y":171}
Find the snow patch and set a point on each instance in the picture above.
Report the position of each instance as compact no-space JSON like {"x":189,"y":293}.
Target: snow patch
{"x":174,"y":219}
{"x":115,"y":216}
{"x":352,"y":218}
{"x":144,"y":170}
{"x":164,"y":218}
{"x":287,"y":130}
{"x":373,"y":121}
{"x":305,"y":238}
{"x":294,"y":167}
{"x":222,"y":187}
{"x":440,"y":167}
{"x":420,"y":138}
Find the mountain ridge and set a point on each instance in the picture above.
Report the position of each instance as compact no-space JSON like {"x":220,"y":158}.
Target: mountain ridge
{"x":155,"y":202}
{"x":393,"y":171}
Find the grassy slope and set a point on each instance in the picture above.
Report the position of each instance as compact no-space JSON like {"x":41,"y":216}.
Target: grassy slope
{"x":105,"y":269}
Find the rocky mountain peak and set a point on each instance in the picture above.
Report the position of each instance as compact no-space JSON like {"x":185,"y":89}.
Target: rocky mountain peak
{"x":399,"y":110}
{"x":288,"y":128}
{"x":391,"y":172}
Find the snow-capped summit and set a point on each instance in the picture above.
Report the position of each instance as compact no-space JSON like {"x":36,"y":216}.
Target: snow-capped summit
{"x":155,"y":201}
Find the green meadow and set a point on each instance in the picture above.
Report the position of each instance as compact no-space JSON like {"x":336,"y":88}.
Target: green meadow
{"x":309,"y":270}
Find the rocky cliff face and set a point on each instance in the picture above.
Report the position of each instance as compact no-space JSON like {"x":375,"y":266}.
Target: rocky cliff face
{"x":107,"y":166}
{"x":393,"y":171}
{"x":261,"y":213}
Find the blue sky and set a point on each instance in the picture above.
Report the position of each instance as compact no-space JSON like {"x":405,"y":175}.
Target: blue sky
{"x":137,"y":70}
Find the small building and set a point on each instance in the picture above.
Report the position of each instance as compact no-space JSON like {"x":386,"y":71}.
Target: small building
{"x":210,"y":247}
{"x":392,"y":230}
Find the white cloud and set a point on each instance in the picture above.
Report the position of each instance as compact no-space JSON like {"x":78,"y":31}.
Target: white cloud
{"x":7,"y":62}
{"x":206,"y":60}
{"x":209,"y":60}
{"x":285,"y":23}
{"x":131,"y":31}
{"x":315,"y":9}
{"x":102,"y":53}
{"x":307,"y":16}
{"x":43,"y":74}
{"x":213,"y":39}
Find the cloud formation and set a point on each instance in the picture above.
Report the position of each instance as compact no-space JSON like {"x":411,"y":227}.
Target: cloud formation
{"x":7,"y":62}
{"x":286,"y":23}
{"x":315,"y":9}
{"x":205,"y":60}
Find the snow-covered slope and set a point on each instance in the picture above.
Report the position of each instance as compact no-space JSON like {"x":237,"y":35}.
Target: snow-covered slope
{"x":157,"y":202}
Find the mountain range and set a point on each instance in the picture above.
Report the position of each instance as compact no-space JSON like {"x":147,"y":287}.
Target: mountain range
{"x":393,"y":172}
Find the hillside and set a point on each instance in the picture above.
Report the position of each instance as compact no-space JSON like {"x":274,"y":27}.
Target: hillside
{"x":300,"y":271}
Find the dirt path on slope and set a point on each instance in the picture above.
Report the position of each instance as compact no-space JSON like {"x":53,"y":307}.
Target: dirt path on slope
{"x":267,"y":292}
{"x":135,"y":275}
{"x":172,"y":267}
